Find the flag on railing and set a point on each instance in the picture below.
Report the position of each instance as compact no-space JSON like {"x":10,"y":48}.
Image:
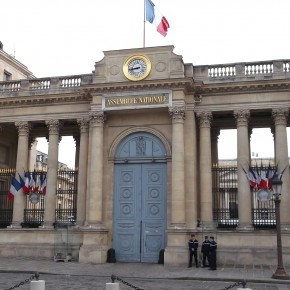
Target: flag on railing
{"x":14,"y":188}
{"x":155,"y":17}
{"x":26,"y":188}
{"x":32,"y":182}
{"x":42,"y":182}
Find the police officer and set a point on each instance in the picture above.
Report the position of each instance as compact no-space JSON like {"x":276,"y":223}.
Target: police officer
{"x":192,"y":247}
{"x":213,"y":247}
{"x":205,"y":250}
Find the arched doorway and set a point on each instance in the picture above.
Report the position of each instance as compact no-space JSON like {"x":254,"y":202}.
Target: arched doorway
{"x":139,"y":198}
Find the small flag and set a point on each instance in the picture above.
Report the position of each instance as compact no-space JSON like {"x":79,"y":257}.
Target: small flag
{"x":14,"y":188}
{"x":42,"y":182}
{"x":155,"y":17}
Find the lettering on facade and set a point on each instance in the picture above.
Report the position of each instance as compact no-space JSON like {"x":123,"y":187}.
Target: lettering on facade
{"x":118,"y":102}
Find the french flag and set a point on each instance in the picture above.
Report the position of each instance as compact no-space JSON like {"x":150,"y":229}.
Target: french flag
{"x":14,"y":188}
{"x":155,"y":17}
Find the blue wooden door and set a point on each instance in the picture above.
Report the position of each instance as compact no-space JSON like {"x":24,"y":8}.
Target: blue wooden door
{"x":139,"y":211}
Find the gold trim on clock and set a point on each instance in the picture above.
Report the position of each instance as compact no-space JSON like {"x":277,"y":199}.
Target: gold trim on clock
{"x":137,"y":67}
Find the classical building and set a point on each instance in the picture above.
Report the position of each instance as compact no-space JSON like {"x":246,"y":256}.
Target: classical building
{"x":146,"y":126}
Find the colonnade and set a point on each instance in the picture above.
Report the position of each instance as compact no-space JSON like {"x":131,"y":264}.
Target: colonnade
{"x":186,"y":165}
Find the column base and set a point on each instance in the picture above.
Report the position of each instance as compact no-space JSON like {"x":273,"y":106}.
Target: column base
{"x":15,"y":226}
{"x":245,"y":227}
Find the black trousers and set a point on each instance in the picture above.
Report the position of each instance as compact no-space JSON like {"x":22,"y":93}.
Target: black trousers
{"x":212,"y":260}
{"x":205,"y":256}
{"x":191,"y":254}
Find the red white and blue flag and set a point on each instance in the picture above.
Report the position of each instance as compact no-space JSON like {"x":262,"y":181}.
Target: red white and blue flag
{"x":42,"y":182}
{"x":154,"y":16}
{"x":26,"y":186}
{"x":14,"y":188}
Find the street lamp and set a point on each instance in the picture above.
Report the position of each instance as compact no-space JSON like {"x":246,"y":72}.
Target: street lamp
{"x":280,"y":272}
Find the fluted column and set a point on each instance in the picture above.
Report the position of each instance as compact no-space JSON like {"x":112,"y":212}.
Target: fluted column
{"x":77,"y":152}
{"x":82,"y":174}
{"x":214,"y":146}
{"x":52,"y":168}
{"x":21,"y":165}
{"x":95,"y":203}
{"x":244,"y":194}
{"x":205,"y":169}
{"x":190,"y":168}
{"x":177,"y":114}
{"x":281,"y":158}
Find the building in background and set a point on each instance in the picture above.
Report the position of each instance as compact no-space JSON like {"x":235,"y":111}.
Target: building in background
{"x":146,"y":128}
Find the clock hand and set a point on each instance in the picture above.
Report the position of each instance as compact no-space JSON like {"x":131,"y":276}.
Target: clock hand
{"x":133,"y":68}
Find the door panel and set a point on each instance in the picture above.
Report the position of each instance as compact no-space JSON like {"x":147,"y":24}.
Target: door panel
{"x":139,"y":211}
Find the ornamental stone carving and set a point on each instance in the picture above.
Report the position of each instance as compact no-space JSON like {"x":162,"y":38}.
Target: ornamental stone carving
{"x":23,"y":128}
{"x":242,"y":117}
{"x":97,"y":118}
{"x":83,"y":125}
{"x":280,"y":116}
{"x":205,"y":119}
{"x":53,"y":127}
{"x":177,"y":113}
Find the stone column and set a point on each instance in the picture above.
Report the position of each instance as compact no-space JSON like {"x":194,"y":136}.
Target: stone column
{"x":282,"y":160}
{"x":82,"y":175}
{"x":214,"y":146}
{"x":190,"y":160}
{"x":205,"y":169}
{"x":243,"y":161}
{"x":21,"y":166}
{"x":177,"y":114}
{"x":77,"y":153}
{"x":52,"y":169}
{"x":95,"y":204}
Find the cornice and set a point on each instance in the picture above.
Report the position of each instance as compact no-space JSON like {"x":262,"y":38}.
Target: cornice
{"x":186,"y":84}
{"x":243,"y":87}
{"x":43,"y":100}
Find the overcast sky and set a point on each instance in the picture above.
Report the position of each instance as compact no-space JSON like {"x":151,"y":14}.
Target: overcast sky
{"x":67,"y":37}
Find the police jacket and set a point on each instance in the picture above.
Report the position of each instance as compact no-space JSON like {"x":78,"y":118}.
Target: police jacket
{"x":205,"y":246}
{"x":213,"y":246}
{"x":193,"y":244}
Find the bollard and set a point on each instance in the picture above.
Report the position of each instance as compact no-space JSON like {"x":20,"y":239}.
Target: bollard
{"x":37,"y":285}
{"x":112,"y":286}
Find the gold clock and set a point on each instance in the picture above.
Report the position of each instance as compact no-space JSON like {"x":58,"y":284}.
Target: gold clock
{"x":137,"y":67}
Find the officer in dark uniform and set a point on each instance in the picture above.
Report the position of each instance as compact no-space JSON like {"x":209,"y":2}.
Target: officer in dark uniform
{"x":205,"y":250}
{"x":213,"y":247}
{"x":192,"y":247}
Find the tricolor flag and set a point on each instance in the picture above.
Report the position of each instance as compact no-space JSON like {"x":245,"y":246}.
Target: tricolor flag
{"x":26,"y":188}
{"x":155,"y":17}
{"x":14,"y":188}
{"x":42,"y":182}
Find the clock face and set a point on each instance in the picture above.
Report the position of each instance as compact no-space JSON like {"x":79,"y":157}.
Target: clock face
{"x":137,"y":67}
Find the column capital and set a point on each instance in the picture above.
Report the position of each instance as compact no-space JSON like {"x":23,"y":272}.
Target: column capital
{"x":177,"y":113}
{"x":242,"y":117}
{"x":23,"y":128}
{"x":83,"y":125}
{"x":205,"y":119}
{"x":97,"y":118}
{"x":53,"y":126}
{"x":280,"y":116}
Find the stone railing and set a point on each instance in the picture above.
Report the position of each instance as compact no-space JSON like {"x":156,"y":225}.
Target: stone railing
{"x":274,"y":69}
{"x":44,"y":85}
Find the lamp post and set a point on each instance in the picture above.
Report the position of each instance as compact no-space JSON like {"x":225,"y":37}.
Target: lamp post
{"x":280,"y":272}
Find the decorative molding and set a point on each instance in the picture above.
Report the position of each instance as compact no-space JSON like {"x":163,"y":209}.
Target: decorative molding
{"x":97,"y":118}
{"x":205,"y":119}
{"x":242,"y":117}
{"x":177,"y":113}
{"x":83,"y":125}
{"x":280,"y":116}
{"x":23,"y":128}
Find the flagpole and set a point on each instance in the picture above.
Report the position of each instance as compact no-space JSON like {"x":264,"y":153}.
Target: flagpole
{"x":144,"y":23}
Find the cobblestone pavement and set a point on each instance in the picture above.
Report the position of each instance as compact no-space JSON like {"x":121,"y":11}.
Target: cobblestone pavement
{"x":74,"y":275}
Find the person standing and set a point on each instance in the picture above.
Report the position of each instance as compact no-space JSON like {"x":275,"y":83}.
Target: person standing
{"x":192,"y":247}
{"x":205,"y":250}
{"x":213,"y":247}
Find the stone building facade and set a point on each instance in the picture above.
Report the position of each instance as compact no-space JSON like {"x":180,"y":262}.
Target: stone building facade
{"x":146,"y":126}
